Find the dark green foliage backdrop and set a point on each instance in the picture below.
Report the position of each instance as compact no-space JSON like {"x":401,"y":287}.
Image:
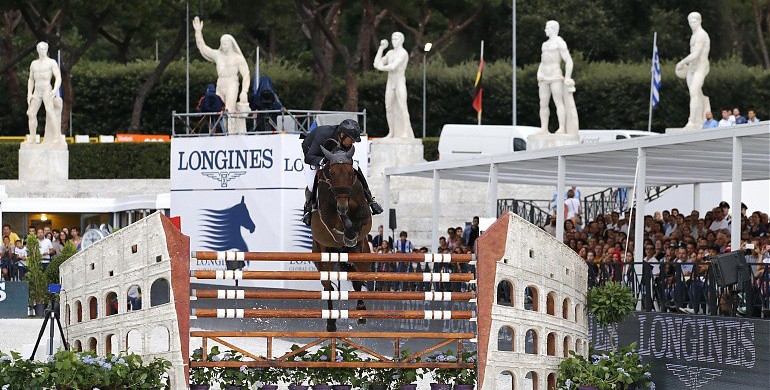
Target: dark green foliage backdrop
{"x":609,"y":96}
{"x":149,"y":160}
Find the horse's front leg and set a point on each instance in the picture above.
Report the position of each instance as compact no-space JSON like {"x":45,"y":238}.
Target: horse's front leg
{"x":331,"y":324}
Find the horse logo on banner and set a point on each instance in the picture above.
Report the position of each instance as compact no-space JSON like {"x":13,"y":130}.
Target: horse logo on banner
{"x":221,"y":229}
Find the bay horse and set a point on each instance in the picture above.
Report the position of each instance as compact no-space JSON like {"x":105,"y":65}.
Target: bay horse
{"x":342,"y":220}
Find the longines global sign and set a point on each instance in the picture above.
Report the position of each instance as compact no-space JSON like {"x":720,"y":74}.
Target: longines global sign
{"x":14,"y":298}
{"x":244,"y":192}
{"x":698,"y":352}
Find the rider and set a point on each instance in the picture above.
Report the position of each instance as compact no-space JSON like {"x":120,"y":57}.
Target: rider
{"x":345,"y":133}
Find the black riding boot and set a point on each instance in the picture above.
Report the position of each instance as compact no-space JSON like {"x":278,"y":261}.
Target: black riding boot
{"x":376,"y":208}
{"x":310,"y":206}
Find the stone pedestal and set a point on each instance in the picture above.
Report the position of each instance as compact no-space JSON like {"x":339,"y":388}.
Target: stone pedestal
{"x":394,"y":152}
{"x":44,"y":162}
{"x":545,"y":141}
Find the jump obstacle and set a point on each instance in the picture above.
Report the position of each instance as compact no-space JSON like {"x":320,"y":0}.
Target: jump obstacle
{"x":511,"y":252}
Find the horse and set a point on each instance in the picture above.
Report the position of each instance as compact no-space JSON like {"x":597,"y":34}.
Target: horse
{"x":221,"y":229}
{"x":342,"y":220}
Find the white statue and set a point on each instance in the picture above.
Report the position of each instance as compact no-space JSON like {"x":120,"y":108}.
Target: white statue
{"x":39,"y":91}
{"x":552,"y":84}
{"x":694,"y":69}
{"x":394,"y":62}
{"x":229,"y":61}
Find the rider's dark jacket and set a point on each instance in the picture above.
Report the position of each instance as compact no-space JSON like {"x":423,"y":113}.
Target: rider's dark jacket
{"x":311,"y":145}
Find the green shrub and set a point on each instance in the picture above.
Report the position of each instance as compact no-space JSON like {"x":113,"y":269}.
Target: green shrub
{"x":609,"y":95}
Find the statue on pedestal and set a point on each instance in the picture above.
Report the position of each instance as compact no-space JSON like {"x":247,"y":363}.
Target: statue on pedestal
{"x":553,"y":85}
{"x":694,"y":69}
{"x":39,"y":91}
{"x":394,"y":62}
{"x":229,"y":61}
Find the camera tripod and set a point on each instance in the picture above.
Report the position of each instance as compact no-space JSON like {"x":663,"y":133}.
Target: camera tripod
{"x":51,"y":314}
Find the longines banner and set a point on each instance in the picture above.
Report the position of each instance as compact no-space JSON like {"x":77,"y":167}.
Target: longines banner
{"x":698,"y":352}
{"x":245,"y":192}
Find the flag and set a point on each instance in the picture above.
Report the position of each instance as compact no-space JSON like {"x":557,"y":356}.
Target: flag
{"x":477,"y":89}
{"x":655,"y":77}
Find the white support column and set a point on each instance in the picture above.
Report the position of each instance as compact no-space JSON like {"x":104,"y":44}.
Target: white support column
{"x":641,"y":184}
{"x":561,"y":173}
{"x":436,"y":212}
{"x":696,"y":197}
{"x":735,"y":204}
{"x":386,"y":205}
{"x":492,"y":191}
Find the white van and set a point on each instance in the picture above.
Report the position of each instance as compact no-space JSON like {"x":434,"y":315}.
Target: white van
{"x":596,"y":136}
{"x":466,"y":141}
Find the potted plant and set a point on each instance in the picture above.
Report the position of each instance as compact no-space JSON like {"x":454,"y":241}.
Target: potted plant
{"x":345,"y":378}
{"x":267,"y":377}
{"x":444,"y":377}
{"x":614,"y":370}
{"x":609,"y":304}
{"x":297,"y":376}
{"x":234,"y":378}
{"x":377,"y":378}
{"x":405,"y":378}
{"x":38,"y":283}
{"x":466,"y":377}
{"x":201,"y":378}
{"x":320,"y":378}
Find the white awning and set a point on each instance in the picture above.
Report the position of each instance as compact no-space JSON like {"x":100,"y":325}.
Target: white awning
{"x":701,"y":157}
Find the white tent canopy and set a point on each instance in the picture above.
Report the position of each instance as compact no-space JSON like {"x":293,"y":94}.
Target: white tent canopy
{"x":734,"y":154}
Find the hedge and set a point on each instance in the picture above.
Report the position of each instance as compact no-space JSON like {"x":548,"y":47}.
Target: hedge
{"x":609,"y":96}
{"x":104,"y":161}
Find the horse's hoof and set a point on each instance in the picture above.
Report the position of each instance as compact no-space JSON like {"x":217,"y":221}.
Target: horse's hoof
{"x":362,"y":321}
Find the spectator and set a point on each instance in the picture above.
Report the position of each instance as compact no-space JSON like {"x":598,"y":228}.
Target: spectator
{"x":21,"y":256}
{"x":550,"y":226}
{"x":75,"y":234}
{"x":572,"y":210}
{"x":720,"y":222}
{"x":30,"y":232}
{"x":11,"y":235}
{"x":752,"y":117}
{"x":739,"y":120}
{"x":377,"y":240}
{"x":452,"y":240}
{"x":474,"y":232}
{"x":46,"y":247}
{"x":710,"y":123}
{"x":727,"y":119}
{"x":59,"y":242}
{"x":7,"y":259}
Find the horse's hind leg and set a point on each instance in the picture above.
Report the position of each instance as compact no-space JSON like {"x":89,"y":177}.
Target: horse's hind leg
{"x":357,"y":286}
{"x":331,"y":324}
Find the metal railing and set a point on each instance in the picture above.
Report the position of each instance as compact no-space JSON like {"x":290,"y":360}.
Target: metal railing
{"x":534,"y":211}
{"x":676,"y":287}
{"x":615,"y":199}
{"x":258,"y":122}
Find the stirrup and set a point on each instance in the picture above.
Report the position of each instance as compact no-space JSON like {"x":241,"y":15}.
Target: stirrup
{"x":376,"y":208}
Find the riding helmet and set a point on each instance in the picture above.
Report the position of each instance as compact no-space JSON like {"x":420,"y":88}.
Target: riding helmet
{"x":351,"y":129}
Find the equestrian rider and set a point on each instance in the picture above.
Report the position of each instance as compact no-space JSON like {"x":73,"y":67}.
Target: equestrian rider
{"x":346,"y":133}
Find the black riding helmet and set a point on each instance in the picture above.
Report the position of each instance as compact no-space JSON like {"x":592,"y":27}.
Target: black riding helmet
{"x":350,"y":128}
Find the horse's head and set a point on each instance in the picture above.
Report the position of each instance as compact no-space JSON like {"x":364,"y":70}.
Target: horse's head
{"x":341,"y":176}
{"x":244,"y":217}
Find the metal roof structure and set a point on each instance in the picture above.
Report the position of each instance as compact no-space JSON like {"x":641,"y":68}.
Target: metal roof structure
{"x":735,"y":154}
{"x":698,"y":157}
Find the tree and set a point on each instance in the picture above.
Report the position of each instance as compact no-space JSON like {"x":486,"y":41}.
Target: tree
{"x":329,"y":28}
{"x":320,"y":47}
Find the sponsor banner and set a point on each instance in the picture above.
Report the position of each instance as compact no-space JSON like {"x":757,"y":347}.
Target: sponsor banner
{"x":14,"y":299}
{"x":142,"y":138}
{"x":697,"y":352}
{"x":245,"y":193}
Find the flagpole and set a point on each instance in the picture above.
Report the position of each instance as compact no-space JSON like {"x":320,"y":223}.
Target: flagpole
{"x":256,"y":71}
{"x":652,"y":80}
{"x":482,"y":60}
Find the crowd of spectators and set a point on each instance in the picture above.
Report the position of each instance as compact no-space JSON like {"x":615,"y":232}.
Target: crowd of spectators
{"x":730,"y":118}
{"x":458,"y":240}
{"x":14,"y":254}
{"x":678,"y":250}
